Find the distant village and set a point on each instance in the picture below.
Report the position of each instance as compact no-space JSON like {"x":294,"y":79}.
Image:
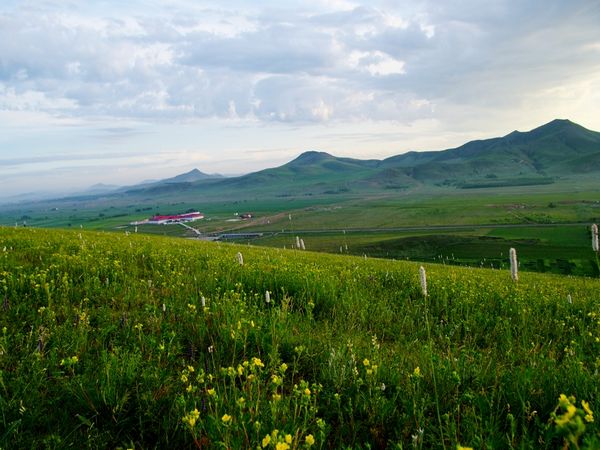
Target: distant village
{"x":180,"y":218}
{"x":173,"y":218}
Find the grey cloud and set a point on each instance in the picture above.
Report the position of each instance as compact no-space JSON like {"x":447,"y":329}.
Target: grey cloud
{"x":295,"y":65}
{"x":24,"y":161}
{"x":281,"y":48}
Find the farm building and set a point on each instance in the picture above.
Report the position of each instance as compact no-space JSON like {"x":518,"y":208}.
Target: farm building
{"x":173,"y":218}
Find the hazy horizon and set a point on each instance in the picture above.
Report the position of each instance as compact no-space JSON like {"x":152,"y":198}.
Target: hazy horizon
{"x":118,"y":93}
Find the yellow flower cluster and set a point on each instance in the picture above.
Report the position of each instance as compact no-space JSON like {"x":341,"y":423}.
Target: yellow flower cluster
{"x":256,"y":362}
{"x":284,"y":442}
{"x":68,"y":362}
{"x":571,"y":423}
{"x":191,"y":418}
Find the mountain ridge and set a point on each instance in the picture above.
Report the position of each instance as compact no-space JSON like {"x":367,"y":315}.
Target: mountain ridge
{"x":543,"y":155}
{"x":557,"y":148}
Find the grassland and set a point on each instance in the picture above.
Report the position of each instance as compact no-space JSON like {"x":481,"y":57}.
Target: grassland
{"x":115,"y":341}
{"x":562,"y":249}
{"x":407,"y":224}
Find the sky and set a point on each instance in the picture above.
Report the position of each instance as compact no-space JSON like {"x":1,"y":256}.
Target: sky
{"x":116,"y":92}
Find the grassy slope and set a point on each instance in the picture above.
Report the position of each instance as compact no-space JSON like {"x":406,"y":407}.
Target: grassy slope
{"x":479,"y":361}
{"x":559,"y":249}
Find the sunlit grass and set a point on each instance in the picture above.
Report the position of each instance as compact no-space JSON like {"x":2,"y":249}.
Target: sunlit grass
{"x":123,"y":341}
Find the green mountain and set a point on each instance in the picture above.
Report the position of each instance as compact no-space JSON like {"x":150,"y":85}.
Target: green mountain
{"x":557,"y":152}
{"x":559,"y":148}
{"x":191,"y":176}
{"x":544,"y":155}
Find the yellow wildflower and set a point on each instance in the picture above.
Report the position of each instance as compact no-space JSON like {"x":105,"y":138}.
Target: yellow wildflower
{"x":192,"y":417}
{"x":282,"y":446}
{"x":566,"y":417}
{"x":460,"y":447}
{"x":211,"y":392}
{"x":266,"y":441}
{"x":563,"y":401}
{"x":226,"y":419}
{"x":310,"y":440}
{"x":190,"y":369}
{"x":288,"y":438}
{"x":366,"y":362}
{"x":307,"y":392}
{"x":589,"y":415}
{"x":257,"y":362}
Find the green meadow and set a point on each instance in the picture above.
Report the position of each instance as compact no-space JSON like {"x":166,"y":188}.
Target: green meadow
{"x":133,"y":341}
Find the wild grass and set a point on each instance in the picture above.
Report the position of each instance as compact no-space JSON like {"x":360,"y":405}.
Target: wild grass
{"x":114,"y":341}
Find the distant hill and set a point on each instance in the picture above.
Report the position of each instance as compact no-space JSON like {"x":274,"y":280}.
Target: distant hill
{"x":100,"y":188}
{"x":557,"y":151}
{"x":191,"y":176}
{"x":186,"y":178}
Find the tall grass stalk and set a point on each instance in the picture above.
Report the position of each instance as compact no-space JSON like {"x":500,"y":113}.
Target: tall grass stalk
{"x":423,"y":279}
{"x":432,"y":363}
{"x":514,"y":265}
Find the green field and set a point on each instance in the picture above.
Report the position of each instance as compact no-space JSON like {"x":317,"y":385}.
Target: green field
{"x":106,"y":344}
{"x":399,"y":225}
{"x":563,"y":249}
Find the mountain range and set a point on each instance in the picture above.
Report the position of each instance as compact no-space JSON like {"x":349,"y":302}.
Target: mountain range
{"x":558,"y":152}
{"x":544,"y":155}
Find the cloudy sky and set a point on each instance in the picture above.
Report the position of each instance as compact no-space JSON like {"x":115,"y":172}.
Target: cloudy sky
{"x":116,"y":92}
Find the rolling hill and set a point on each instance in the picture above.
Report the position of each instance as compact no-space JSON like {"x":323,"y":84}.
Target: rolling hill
{"x":556,"y":153}
{"x":544,"y":155}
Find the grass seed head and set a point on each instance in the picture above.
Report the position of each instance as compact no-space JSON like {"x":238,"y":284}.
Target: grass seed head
{"x":514,"y":271}
{"x":423,"y":278}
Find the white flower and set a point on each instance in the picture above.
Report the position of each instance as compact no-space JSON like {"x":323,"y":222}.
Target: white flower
{"x":423,"y":277}
{"x":514,"y":271}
